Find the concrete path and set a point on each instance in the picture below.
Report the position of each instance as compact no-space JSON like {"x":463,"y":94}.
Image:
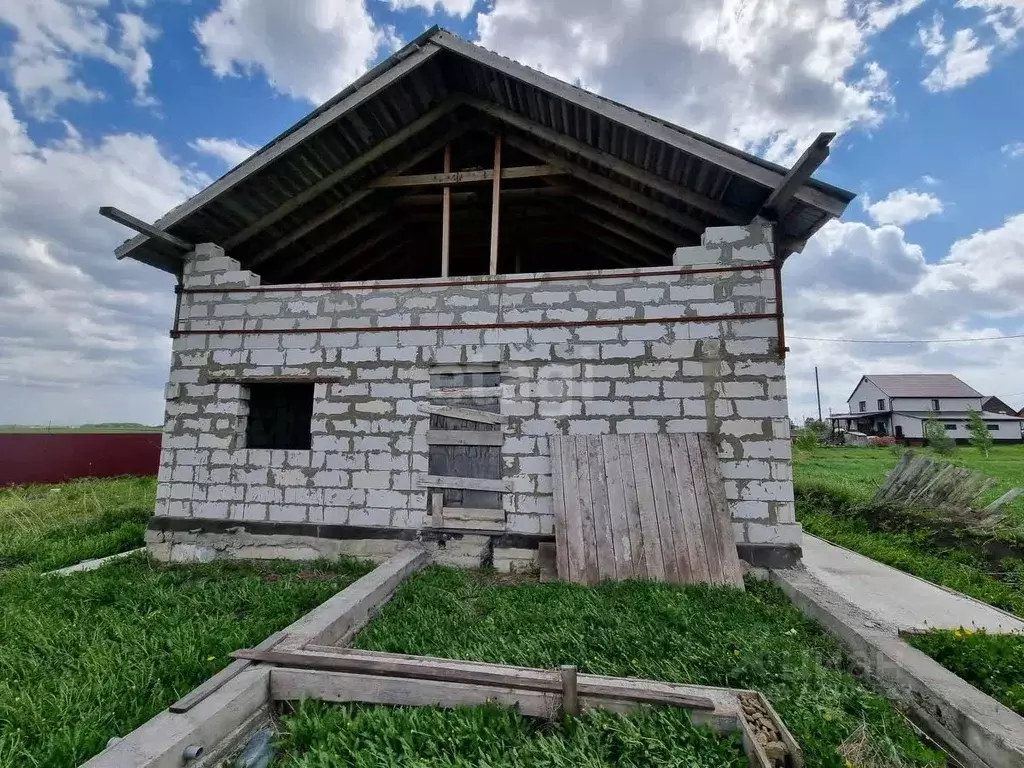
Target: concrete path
{"x":897,"y":599}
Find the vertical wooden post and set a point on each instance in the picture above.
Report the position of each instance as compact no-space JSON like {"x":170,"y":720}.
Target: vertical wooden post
{"x":570,"y":697}
{"x":446,"y":220}
{"x":495,"y":205}
{"x":437,"y":509}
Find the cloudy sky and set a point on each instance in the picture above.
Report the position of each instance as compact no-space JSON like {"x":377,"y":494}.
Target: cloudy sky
{"x":141,"y":103}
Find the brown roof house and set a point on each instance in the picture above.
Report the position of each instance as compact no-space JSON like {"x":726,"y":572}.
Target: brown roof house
{"x":386,"y":312}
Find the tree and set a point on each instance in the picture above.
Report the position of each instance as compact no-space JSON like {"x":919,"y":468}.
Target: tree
{"x":981,"y":438}
{"x":937,"y":438}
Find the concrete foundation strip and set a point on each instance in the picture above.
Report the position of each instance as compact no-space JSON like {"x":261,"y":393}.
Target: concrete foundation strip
{"x":975,"y":728}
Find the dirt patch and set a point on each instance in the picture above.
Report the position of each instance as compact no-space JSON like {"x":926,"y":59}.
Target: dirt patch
{"x":496,"y":579}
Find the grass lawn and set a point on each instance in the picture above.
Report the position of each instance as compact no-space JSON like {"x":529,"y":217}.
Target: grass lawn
{"x":50,"y":526}
{"x":856,"y":473}
{"x":319,"y":735}
{"x":695,"y":635}
{"x":95,"y":655}
{"x":991,"y":663}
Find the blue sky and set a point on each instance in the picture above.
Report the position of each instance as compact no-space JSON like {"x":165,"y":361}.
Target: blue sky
{"x":140,"y":103}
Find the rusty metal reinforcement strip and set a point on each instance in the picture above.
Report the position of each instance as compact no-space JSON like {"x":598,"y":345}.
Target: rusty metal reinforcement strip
{"x":480,"y":326}
{"x":388,"y":285}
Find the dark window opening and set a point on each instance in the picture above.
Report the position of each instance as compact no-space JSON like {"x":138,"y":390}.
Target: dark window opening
{"x":993,"y":427}
{"x":950,"y":427}
{"x":280,"y":416}
{"x":862,"y":405}
{"x":881,"y":404}
{"x":935,"y":405}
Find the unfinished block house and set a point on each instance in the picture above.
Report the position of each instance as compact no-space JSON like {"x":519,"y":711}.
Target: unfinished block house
{"x":386,"y":312}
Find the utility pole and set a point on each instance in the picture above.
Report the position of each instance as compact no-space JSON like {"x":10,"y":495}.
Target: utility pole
{"x":817,"y":388}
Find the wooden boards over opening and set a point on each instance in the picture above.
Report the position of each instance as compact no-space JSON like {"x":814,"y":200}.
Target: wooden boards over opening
{"x":641,"y":507}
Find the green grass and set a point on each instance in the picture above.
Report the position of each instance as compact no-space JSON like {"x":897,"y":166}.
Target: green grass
{"x":95,"y":655}
{"x":50,"y":526}
{"x":694,"y":634}
{"x":856,"y":473}
{"x":319,"y":735}
{"x":991,"y":663}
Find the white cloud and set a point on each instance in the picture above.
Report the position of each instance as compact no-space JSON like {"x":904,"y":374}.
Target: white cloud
{"x":53,"y":38}
{"x":83,"y":337}
{"x":764,"y":76}
{"x":231,"y":151}
{"x":309,"y":49}
{"x":460,"y":8}
{"x":960,"y":61}
{"x":903,"y":206}
{"x":857,"y":282}
{"x":1013,"y":150}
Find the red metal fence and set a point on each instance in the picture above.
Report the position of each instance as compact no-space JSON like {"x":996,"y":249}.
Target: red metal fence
{"x":58,"y":456}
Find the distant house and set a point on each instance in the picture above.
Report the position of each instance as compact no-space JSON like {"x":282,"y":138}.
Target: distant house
{"x":994,"y":405}
{"x":898,"y":405}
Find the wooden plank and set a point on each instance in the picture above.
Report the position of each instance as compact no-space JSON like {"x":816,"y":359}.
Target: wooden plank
{"x":601,"y":508}
{"x":344,"y":614}
{"x":474,"y":513}
{"x":360,"y":91}
{"x":632,"y":510}
{"x":797,"y":176}
{"x":451,"y":523}
{"x":661,"y":511}
{"x":460,"y":393}
{"x":496,"y":204}
{"x":386,"y":666}
{"x":215,"y":683}
{"x":687,"y":495}
{"x":621,"y":551}
{"x":465,"y":414}
{"x":680,"y":551}
{"x":646,"y":509}
{"x":446,"y":214}
{"x":298,"y":684}
{"x":437,"y":509}
{"x":127,"y":220}
{"x":558,"y":498}
{"x":464,"y":177}
{"x":573,"y":516}
{"x":586,"y":501}
{"x":464,"y":437}
{"x":730,"y":559}
{"x":462,"y":483}
{"x":704,"y":512}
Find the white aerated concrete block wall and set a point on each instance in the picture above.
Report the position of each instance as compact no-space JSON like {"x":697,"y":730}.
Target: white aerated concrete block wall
{"x":685,"y":349}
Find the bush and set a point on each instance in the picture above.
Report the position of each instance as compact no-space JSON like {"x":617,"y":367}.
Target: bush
{"x":806,"y":439}
{"x":981,"y":438}
{"x":937,"y":438}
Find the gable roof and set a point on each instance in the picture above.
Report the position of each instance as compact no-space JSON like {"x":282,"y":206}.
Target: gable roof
{"x":993,"y":404}
{"x":921,"y":385}
{"x":393,"y":115}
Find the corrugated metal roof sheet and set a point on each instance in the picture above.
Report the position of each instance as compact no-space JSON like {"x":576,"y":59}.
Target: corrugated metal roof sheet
{"x":922,"y":385}
{"x":252,"y":209}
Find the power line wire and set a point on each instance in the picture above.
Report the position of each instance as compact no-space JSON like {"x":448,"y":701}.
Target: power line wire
{"x":907,"y":341}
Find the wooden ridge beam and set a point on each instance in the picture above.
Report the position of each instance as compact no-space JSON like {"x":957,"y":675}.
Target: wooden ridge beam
{"x":142,"y":227}
{"x":463,"y":177}
{"x":611,"y":163}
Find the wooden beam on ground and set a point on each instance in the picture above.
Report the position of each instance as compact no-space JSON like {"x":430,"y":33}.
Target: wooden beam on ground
{"x":495,"y":204}
{"x":213,"y":684}
{"x":463,"y":177}
{"x":349,"y":169}
{"x":337,"y":620}
{"x":363,"y":89}
{"x":610,"y":162}
{"x":140,"y":226}
{"x":778,"y":201}
{"x":613,"y":188}
{"x":446,"y":213}
{"x":352,"y":199}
